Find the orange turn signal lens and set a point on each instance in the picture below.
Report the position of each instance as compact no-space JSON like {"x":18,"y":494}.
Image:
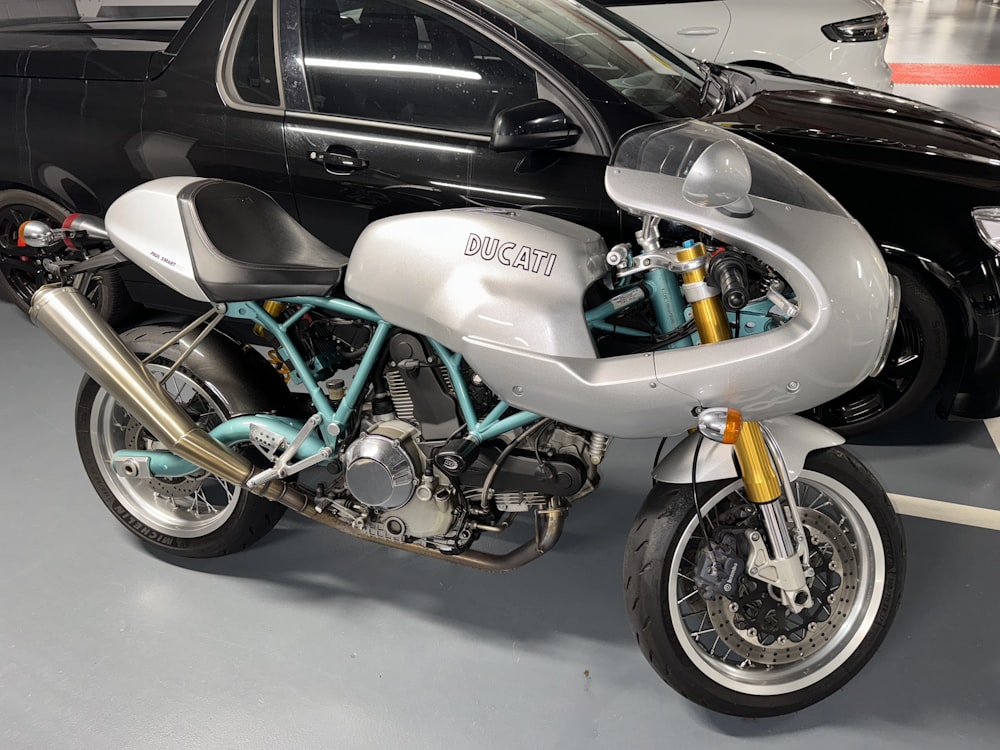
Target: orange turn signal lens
{"x":20,"y":235}
{"x":734,"y":423}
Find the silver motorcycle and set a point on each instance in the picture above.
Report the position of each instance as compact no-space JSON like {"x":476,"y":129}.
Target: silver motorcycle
{"x":467,"y":368}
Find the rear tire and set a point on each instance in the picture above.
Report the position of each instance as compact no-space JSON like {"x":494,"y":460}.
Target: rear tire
{"x":727,"y":654}
{"x":194,"y":516}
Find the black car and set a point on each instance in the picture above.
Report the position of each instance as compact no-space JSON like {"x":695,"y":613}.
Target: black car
{"x":350,"y":110}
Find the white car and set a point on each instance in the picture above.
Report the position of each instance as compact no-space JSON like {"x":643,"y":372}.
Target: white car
{"x":840,"y":40}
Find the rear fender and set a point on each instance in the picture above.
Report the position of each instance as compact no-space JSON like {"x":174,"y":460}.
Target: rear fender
{"x":797,"y":438}
{"x":235,"y":373}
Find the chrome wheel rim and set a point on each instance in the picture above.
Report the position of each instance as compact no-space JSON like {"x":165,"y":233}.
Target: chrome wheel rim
{"x":186,"y":507}
{"x":717,"y":640}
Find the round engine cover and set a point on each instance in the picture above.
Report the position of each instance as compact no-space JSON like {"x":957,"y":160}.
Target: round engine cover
{"x":384,"y":466}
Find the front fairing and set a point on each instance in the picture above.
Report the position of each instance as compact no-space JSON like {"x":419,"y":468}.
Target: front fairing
{"x":911,"y":174}
{"x":836,"y":271}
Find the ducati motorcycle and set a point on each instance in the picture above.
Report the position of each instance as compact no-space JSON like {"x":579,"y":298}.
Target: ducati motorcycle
{"x":465,"y":368}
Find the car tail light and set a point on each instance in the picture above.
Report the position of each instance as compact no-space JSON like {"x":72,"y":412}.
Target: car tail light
{"x":866,"y":29}
{"x":988,"y":223}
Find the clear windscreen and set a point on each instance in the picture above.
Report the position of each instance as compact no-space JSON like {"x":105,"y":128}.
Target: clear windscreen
{"x":672,"y":150}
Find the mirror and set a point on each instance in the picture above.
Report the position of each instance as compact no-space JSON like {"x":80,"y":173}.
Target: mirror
{"x":720,"y":178}
{"x":537,"y":124}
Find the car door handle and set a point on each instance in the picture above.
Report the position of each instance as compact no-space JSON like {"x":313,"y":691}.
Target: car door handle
{"x":699,"y":31}
{"x":339,"y":162}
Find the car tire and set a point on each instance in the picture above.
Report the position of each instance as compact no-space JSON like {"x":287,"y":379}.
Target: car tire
{"x":20,"y":279}
{"x":916,"y":363}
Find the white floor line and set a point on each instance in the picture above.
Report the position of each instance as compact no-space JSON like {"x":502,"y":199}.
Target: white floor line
{"x":938,"y":510}
{"x":993,"y":427}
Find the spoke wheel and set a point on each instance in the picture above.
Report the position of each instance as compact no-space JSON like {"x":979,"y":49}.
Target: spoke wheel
{"x":185,"y":507}
{"x":749,"y":655}
{"x":916,"y":362}
{"x":198,"y":515}
{"x":22,"y":270}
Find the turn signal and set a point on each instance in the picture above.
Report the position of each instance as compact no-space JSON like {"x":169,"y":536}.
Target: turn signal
{"x":721,"y":424}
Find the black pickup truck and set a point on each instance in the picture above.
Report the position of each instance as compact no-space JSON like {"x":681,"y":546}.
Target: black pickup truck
{"x":349,"y":110}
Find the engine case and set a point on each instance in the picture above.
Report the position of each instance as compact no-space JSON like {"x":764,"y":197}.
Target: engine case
{"x":384,"y":470}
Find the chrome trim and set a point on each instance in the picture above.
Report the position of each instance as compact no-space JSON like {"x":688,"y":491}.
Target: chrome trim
{"x":342,"y":120}
{"x":224,"y":63}
{"x":892,"y":315}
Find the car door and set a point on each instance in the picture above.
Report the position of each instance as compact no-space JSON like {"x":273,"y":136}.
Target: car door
{"x":695,"y":27}
{"x":395,"y":109}
{"x":217,"y":112}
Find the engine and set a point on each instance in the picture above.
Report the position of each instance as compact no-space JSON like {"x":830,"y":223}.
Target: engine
{"x":394,"y":479}
{"x":385,"y":469}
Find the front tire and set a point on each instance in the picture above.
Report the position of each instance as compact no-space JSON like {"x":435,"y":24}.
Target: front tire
{"x":200,"y":515}
{"x":749,"y":656}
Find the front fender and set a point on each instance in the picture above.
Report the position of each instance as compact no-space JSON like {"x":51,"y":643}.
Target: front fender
{"x":796,"y":436}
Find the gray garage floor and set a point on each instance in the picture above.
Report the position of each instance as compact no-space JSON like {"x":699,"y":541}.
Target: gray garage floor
{"x":315,"y":640}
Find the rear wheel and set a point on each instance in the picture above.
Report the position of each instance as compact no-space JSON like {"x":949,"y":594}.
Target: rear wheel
{"x":23,"y":271}
{"x":749,"y":655}
{"x":916,"y":362}
{"x":199,"y":515}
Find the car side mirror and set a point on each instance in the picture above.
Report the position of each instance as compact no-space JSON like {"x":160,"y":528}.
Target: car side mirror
{"x":537,"y":124}
{"x":721,"y":178}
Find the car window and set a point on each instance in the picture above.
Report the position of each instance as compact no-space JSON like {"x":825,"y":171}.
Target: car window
{"x":399,"y":61}
{"x":647,"y":73}
{"x":254,"y":70}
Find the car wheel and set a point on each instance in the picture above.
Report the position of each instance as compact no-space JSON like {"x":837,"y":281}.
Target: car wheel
{"x":915,"y":365}
{"x":22,"y":274}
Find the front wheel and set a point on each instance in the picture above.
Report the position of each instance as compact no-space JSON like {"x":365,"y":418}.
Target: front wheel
{"x":749,"y":655}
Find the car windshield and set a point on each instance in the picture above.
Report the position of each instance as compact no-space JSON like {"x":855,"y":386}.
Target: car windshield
{"x":642,"y":70}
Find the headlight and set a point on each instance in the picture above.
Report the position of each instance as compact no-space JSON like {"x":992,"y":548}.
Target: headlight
{"x":987,"y":221}
{"x":890,"y":327}
{"x":866,"y":29}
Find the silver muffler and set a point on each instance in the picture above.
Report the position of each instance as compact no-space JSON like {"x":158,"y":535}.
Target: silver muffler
{"x":73,"y":322}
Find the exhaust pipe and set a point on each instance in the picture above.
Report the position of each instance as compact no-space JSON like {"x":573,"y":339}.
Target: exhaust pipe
{"x":73,"y":322}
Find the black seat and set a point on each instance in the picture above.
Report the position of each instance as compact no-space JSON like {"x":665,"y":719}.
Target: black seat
{"x":249,"y":248}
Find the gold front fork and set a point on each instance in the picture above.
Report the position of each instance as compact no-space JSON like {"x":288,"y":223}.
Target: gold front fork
{"x":782,"y":566}
{"x":762,"y":482}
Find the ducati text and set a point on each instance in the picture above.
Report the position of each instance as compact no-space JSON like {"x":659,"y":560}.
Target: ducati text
{"x":509,"y":254}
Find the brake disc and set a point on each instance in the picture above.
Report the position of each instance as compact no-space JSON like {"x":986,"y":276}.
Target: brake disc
{"x":138,"y":437}
{"x":761,"y":629}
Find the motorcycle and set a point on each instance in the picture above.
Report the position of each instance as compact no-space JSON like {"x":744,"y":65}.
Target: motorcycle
{"x":472,"y":370}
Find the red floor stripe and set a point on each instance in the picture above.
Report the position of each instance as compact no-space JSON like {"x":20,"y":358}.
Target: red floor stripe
{"x":946,"y":75}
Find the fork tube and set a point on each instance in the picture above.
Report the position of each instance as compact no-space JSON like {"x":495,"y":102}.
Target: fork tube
{"x":762,"y":483}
